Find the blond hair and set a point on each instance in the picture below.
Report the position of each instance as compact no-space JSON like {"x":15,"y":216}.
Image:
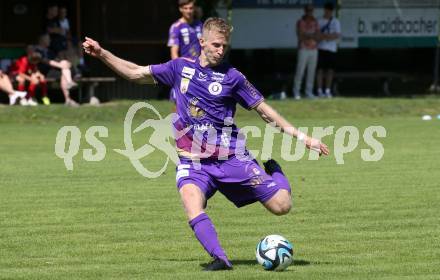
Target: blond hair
{"x":218,"y":24}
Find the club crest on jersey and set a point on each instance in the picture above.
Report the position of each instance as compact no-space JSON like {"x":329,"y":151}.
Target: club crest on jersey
{"x":184,"y":84}
{"x":215,"y":88}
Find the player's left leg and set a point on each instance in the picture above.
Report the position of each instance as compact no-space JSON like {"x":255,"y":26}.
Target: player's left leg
{"x":281,"y":202}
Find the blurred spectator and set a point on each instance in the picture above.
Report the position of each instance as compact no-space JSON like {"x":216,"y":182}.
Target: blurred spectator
{"x":52,"y":68}
{"x":184,"y":34}
{"x":64,"y":23}
{"x":6,"y":86}
{"x":330,"y":32}
{"x":52,"y":26}
{"x":307,"y":30}
{"x":24,"y":70}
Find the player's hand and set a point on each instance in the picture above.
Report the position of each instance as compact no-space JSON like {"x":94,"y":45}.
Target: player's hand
{"x":317,"y":146}
{"x":92,"y":48}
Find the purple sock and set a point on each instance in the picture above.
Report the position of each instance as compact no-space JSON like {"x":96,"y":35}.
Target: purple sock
{"x":281,"y":180}
{"x":207,"y":236}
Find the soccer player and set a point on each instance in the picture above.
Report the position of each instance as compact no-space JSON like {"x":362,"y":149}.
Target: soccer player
{"x":184,"y":35}
{"x":208,"y":91}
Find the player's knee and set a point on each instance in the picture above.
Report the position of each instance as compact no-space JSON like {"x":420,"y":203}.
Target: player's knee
{"x":280,"y":205}
{"x":282,"y":208}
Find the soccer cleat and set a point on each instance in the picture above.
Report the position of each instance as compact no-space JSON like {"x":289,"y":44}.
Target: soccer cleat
{"x":13,"y":98}
{"x":217,"y":264}
{"x":24,"y":102}
{"x":46,"y":100}
{"x":271,"y":166}
{"x":71,"y":103}
{"x":32,"y":102}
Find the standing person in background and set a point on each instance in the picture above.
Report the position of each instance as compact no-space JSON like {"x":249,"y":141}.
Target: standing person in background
{"x":307,"y":30}
{"x":330,"y":32}
{"x":64,"y":23}
{"x":184,"y":35}
{"x":52,"y":26}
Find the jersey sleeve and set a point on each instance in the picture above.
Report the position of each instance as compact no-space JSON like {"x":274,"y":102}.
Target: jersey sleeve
{"x":164,"y":73}
{"x":173,"y":37}
{"x":246,"y":94}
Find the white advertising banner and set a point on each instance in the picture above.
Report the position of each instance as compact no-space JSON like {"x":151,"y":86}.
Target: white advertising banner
{"x":369,"y":24}
{"x":389,"y":27}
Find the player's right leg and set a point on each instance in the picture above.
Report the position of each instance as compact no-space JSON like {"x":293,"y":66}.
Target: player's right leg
{"x":194,"y":188}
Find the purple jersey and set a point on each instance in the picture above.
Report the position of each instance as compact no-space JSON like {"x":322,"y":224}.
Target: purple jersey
{"x":206,"y":101}
{"x":186,"y":37}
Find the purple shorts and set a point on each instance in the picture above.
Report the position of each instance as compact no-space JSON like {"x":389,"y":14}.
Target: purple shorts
{"x":242,"y":182}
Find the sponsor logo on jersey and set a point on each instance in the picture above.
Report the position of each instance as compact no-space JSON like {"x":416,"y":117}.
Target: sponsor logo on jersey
{"x":185,"y":35}
{"x":251,"y":89}
{"x":188,"y":72}
{"x":194,"y":110}
{"x":218,"y":77}
{"x":184,"y":84}
{"x":203,"y":127}
{"x":202,"y":77}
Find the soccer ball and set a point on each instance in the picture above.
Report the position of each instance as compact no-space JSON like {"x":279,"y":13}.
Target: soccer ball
{"x":274,"y":252}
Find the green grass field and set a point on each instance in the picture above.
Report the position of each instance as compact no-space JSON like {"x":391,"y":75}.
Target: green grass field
{"x":360,"y":220}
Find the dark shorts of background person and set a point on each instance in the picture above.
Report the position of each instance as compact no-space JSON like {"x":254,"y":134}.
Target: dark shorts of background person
{"x":326,"y":60}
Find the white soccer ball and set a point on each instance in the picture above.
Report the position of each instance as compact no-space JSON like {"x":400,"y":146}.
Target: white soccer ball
{"x":274,"y":252}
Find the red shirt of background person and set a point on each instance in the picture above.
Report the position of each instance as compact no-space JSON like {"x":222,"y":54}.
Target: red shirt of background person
{"x":23,"y":66}
{"x":307,"y":29}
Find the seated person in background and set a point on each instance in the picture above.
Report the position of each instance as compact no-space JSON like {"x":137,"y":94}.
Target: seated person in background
{"x":55,"y":69}
{"x":24,"y":70}
{"x":6,"y":86}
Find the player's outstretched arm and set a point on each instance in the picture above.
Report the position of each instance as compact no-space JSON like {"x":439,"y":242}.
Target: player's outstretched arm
{"x":126,"y":69}
{"x":269,"y":115}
